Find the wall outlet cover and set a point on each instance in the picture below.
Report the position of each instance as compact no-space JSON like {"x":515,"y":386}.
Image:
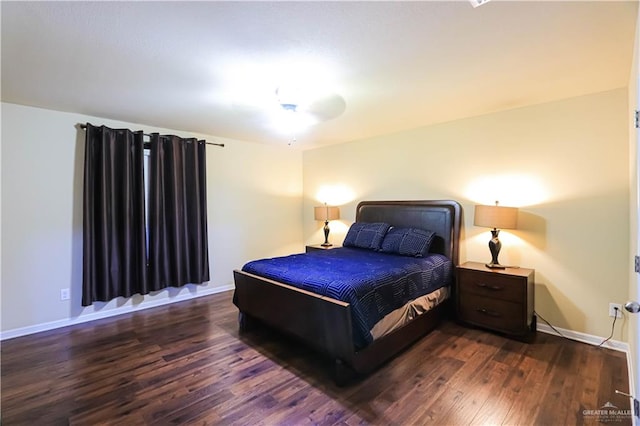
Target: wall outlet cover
{"x":612,"y":311}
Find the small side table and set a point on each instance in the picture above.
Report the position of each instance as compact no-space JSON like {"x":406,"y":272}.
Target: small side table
{"x":497,"y":299}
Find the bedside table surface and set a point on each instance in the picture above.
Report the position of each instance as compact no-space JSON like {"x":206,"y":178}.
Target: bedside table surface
{"x":477,"y":266}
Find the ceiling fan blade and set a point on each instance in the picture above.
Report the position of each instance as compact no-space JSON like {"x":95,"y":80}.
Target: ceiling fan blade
{"x":327,"y":107}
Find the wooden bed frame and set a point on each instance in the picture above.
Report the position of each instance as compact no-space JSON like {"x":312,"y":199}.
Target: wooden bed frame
{"x":325,"y":323}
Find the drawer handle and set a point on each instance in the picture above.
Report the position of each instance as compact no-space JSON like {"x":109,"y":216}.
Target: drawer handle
{"x":489,"y":287}
{"x":488,"y":312}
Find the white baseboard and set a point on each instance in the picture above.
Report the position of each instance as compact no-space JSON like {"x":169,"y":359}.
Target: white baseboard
{"x":586,"y":338}
{"x":32,"y":329}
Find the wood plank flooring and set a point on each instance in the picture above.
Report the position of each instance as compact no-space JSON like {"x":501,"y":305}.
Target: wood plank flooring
{"x":187,"y":364}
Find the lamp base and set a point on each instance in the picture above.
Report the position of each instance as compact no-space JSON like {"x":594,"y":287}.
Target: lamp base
{"x":499,"y":266}
{"x":326,"y":235}
{"x":495,"y":266}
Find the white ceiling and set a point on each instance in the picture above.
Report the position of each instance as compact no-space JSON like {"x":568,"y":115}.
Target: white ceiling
{"x":196,"y":66}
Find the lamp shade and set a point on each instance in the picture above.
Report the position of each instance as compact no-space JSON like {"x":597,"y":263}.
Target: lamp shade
{"x":325,"y":213}
{"x":496,"y":217}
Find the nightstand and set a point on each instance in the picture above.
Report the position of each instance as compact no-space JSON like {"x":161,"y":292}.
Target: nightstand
{"x":316,"y":247}
{"x":497,"y":299}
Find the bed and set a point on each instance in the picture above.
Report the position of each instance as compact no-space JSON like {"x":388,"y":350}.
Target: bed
{"x":330,"y":325}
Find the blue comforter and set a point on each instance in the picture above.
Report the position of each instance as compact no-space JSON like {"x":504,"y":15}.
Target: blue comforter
{"x":373,"y":283}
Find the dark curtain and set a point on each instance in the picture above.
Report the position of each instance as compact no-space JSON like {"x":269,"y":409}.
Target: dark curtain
{"x":178,"y":243}
{"x":114,"y":240}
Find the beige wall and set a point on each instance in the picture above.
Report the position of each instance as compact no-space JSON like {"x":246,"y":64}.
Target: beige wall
{"x":254,"y":198}
{"x":565,"y":164}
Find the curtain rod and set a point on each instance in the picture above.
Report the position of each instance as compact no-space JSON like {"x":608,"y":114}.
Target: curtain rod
{"x":84,"y":127}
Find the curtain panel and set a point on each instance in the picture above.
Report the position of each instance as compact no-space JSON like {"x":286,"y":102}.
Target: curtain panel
{"x":114,"y":237}
{"x":117,"y":261}
{"x":178,"y":241}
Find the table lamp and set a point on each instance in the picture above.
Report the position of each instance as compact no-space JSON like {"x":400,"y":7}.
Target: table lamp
{"x":496,"y":217}
{"x":326,"y":213}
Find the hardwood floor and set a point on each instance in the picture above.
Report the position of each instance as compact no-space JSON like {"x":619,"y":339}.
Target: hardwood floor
{"x":186,"y":364}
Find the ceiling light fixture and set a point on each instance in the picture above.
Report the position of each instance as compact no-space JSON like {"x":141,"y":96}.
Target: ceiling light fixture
{"x":291,"y":118}
{"x":291,"y":97}
{"x":289,"y":107}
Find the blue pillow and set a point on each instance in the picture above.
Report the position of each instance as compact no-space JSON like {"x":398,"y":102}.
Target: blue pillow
{"x":407,"y":241}
{"x":366,"y":235}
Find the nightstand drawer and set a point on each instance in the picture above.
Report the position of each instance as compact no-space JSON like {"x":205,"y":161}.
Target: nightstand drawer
{"x":492,"y":285}
{"x":498,"y":315}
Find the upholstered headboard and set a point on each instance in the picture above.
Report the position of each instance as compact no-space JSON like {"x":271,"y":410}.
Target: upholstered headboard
{"x":440,"y":216}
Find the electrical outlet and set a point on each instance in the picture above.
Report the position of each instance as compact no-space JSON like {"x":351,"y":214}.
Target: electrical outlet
{"x":64,"y":294}
{"x":612,"y":310}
